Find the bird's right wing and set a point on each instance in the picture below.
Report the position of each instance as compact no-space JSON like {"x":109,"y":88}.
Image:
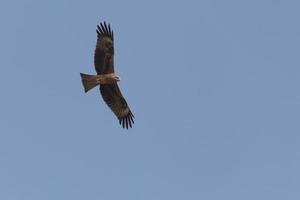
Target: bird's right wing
{"x":104,"y":52}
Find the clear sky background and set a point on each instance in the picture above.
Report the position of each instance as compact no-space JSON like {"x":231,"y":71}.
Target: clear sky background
{"x":214,"y":86}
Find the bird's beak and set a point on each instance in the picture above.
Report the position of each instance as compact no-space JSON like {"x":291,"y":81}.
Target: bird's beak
{"x":118,"y":78}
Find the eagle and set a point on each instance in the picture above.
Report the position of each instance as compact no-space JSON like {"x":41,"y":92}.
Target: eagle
{"x":106,"y":77}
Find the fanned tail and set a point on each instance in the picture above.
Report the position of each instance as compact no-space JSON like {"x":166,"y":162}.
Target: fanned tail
{"x":89,"y":81}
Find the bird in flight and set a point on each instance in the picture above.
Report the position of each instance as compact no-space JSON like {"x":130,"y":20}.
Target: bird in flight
{"x":106,"y":77}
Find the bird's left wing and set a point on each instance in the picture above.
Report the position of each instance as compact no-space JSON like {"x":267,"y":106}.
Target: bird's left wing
{"x":115,"y":100}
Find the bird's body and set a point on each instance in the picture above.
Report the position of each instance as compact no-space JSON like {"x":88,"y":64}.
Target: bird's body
{"x":91,"y":81}
{"x":106,"y":78}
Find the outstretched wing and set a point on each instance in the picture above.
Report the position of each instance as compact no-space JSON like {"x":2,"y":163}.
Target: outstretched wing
{"x":104,"y":52}
{"x":114,"y":99}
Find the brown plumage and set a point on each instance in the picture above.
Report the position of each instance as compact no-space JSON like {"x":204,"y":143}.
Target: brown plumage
{"x":104,"y":65}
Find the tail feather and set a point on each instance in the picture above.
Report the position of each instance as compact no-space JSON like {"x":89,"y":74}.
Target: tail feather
{"x":89,"y":81}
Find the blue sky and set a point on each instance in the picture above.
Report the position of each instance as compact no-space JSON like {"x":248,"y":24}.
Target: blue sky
{"x":214,"y":86}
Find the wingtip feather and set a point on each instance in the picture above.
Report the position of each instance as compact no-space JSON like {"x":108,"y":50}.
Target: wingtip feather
{"x":105,"y":30}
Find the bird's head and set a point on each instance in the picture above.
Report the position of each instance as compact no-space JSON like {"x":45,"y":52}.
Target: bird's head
{"x":117,"y":78}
